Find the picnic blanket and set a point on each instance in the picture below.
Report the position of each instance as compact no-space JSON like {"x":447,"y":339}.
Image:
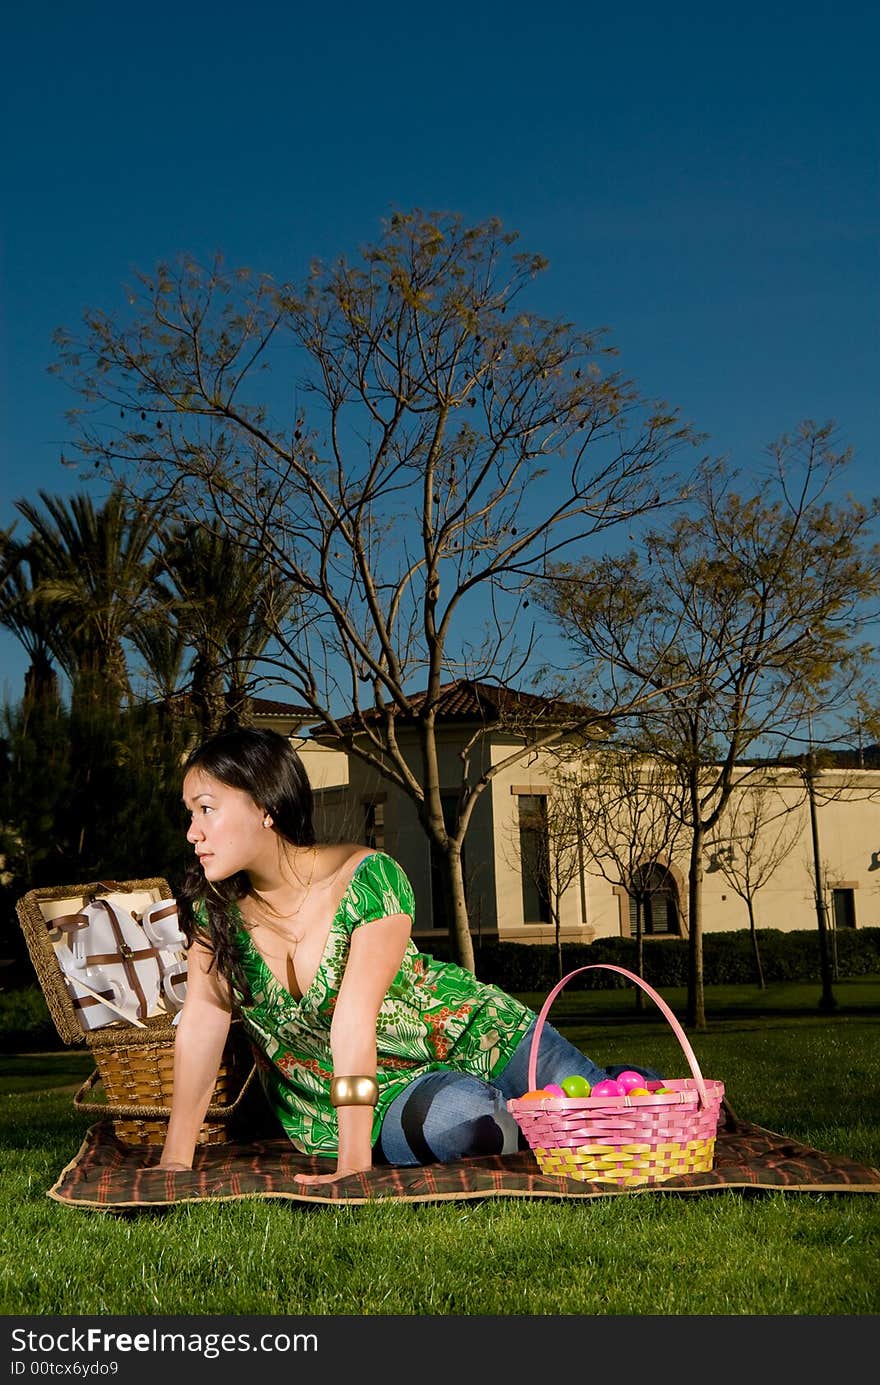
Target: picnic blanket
{"x":107,"y":1175}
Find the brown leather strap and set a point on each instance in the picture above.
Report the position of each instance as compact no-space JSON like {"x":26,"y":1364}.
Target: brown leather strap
{"x":126,"y":956}
{"x":165,"y":913}
{"x":67,"y":923}
{"x":98,"y":959}
{"x":82,"y":1002}
{"x":74,"y":923}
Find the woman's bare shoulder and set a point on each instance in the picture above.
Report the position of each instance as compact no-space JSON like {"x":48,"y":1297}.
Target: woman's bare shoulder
{"x":342,"y":859}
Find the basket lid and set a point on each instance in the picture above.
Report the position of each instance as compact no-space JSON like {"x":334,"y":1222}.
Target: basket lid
{"x":36,"y":911}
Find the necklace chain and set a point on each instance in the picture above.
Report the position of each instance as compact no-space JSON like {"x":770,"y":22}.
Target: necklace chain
{"x":294,"y":912}
{"x":308,"y":887}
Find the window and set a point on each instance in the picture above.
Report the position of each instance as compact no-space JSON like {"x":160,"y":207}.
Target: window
{"x":374,"y":824}
{"x":659,"y":901}
{"x":534,"y":848}
{"x":843,"y":908}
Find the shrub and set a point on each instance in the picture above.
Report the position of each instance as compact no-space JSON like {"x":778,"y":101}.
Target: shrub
{"x":728,"y":959}
{"x":25,"y":1022}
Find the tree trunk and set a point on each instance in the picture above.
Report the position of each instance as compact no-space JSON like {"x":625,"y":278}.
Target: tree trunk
{"x":756,"y":951}
{"x":208,"y":698}
{"x":96,"y":684}
{"x":640,"y":951}
{"x":461,"y":938}
{"x":116,"y":674}
{"x":40,"y":681}
{"x":696,"y":1003}
{"x":554,"y":909}
{"x":239,"y":704}
{"x":827,"y":1000}
{"x":448,"y":851}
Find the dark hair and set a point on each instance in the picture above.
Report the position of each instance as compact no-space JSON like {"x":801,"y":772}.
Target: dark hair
{"x":265,"y":765}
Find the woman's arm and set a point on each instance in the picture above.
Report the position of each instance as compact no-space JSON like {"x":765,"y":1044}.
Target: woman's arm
{"x":374,"y":959}
{"x":198,"y":1048}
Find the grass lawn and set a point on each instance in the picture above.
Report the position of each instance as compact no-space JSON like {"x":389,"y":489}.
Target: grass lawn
{"x":733,"y":1253}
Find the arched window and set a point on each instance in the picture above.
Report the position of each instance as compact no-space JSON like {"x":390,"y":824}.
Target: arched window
{"x":659,"y":900}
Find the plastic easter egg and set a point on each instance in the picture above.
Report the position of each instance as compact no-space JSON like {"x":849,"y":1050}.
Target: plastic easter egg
{"x":575,"y":1085}
{"x":630,"y":1079}
{"x":609,"y":1087}
{"x":638,"y":1091}
{"x":554,"y":1089}
{"x":537,"y":1094}
{"x":664,"y":1091}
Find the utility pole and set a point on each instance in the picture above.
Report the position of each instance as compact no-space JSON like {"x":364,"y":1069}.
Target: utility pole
{"x":827,"y":1001}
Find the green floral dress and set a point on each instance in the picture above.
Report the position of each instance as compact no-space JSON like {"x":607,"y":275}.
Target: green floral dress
{"x":435,"y":1015}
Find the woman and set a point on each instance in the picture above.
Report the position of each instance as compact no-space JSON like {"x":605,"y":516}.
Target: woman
{"x":368,"y":1050}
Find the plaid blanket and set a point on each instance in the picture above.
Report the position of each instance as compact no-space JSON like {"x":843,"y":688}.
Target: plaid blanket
{"x":107,"y":1175}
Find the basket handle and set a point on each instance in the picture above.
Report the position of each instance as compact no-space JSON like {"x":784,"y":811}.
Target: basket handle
{"x":658,"y":1001}
{"x":107,"y":1108}
{"x":87,"y":1086}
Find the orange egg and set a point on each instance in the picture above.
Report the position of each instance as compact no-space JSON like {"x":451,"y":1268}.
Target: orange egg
{"x":538,"y":1094}
{"x":638,"y":1091}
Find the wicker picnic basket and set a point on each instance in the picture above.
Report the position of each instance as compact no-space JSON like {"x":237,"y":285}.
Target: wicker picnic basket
{"x":136,"y":1076}
{"x":625,"y":1140}
{"x":134,"y":1061}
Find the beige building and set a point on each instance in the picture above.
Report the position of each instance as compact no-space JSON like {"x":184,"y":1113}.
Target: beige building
{"x":509,"y":896}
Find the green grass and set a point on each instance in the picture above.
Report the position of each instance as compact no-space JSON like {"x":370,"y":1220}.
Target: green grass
{"x":729,"y":1253}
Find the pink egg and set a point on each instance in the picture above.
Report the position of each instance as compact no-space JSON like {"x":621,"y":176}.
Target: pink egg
{"x":609,"y":1087}
{"x":630,"y":1079}
{"x":554,"y":1089}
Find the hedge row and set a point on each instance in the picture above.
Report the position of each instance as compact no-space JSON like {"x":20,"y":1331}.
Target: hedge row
{"x":728,"y":959}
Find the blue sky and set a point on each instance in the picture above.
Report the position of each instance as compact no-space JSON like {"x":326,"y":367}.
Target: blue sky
{"x":704,"y":182}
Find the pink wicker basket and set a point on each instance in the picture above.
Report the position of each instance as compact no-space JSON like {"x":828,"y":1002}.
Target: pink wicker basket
{"x":626,"y":1140}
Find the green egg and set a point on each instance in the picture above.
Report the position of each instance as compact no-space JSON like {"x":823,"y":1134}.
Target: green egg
{"x":575,"y":1085}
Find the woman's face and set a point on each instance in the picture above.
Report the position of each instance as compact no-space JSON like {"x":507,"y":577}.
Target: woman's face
{"x":226,"y":826}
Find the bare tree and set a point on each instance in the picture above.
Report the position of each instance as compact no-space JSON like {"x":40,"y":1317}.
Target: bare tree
{"x":757,"y":833}
{"x":406,"y":443}
{"x":742,"y":617}
{"x":631,"y":814}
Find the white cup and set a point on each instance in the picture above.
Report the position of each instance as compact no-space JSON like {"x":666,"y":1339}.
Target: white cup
{"x":174,"y":985}
{"x":163,"y":932}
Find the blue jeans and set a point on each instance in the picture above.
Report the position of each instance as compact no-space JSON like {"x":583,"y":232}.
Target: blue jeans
{"x":449,"y":1115}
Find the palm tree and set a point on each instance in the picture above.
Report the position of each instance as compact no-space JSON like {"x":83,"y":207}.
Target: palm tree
{"x":161,"y":641}
{"x":93,"y":571}
{"x":227,"y":607}
{"x":29,"y":621}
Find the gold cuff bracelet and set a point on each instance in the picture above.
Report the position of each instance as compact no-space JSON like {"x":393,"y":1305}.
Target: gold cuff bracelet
{"x":354,"y":1091}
